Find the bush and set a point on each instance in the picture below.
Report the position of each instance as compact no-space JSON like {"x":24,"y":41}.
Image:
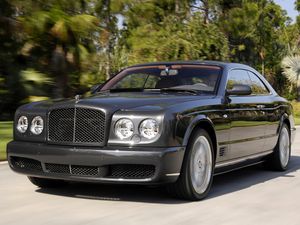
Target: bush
{"x":296,"y":106}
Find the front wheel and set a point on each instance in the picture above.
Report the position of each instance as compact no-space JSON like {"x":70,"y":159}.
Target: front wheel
{"x":196,"y":175}
{"x":46,"y":183}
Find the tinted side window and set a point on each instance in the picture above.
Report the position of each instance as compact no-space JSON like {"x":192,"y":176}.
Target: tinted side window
{"x":238,"y":77}
{"x":257,"y":86}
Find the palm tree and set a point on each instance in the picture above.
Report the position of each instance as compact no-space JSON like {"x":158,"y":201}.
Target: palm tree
{"x":60,"y":38}
{"x":291,"y":69}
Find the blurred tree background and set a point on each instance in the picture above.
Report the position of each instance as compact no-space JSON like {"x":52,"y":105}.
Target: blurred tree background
{"x":57,"y":48}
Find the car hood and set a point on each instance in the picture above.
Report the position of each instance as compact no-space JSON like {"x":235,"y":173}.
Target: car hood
{"x":118,"y":101}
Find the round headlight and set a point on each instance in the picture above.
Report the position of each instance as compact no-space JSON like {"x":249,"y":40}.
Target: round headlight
{"x":149,"y":128}
{"x":124,"y":128}
{"x":22,"y":124}
{"x":37,"y":125}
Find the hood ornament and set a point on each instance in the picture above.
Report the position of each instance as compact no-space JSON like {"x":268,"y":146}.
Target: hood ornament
{"x":77,"y":98}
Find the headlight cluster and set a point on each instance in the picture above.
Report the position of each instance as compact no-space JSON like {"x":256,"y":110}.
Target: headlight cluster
{"x":36,"y":127}
{"x":22,"y":124}
{"x":148,"y":128}
{"x":124,"y":128}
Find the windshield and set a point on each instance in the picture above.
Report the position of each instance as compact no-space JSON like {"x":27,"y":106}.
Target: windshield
{"x":201,"y":78}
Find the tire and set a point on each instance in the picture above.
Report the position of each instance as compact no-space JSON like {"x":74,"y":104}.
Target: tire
{"x":199,"y":160}
{"x":279,"y":160}
{"x":46,"y":183}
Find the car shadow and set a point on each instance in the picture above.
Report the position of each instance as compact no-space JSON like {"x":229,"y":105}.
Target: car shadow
{"x":250,"y":176}
{"x":222,"y":185}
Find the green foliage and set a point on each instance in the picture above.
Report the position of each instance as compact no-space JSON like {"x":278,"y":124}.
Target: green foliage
{"x":6,"y":134}
{"x":172,"y":40}
{"x":296,"y":107}
{"x":297,"y":5}
{"x":62,"y":39}
{"x":36,"y":83}
{"x":291,"y":69}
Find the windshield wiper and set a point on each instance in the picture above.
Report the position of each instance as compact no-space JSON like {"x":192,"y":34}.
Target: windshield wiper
{"x":174,"y":89}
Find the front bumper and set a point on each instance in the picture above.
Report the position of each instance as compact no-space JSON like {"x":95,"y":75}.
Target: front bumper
{"x":165,"y":161}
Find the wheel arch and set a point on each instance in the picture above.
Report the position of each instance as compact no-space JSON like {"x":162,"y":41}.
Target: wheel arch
{"x":205,"y":123}
{"x":284,"y":120}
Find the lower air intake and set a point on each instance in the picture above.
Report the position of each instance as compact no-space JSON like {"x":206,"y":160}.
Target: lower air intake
{"x":26,"y":164}
{"x":131,"y":171}
{"x":57,"y":168}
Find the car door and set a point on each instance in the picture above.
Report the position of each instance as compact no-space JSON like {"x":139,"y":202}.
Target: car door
{"x":270,"y":111}
{"x":247,"y":121}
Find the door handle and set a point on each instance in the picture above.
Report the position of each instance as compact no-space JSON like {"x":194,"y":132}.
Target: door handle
{"x":260,"y":106}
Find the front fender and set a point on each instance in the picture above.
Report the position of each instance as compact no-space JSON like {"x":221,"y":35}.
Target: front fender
{"x":189,"y":123}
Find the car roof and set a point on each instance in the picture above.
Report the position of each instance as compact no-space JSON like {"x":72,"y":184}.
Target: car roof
{"x":195,"y":62}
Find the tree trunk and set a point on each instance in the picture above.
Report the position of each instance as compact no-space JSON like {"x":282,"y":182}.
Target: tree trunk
{"x":298,"y":90}
{"x":206,"y":11}
{"x":58,"y":69}
{"x":109,"y":41}
{"x":177,"y":7}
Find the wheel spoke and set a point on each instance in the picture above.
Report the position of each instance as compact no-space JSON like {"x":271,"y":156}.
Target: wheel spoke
{"x":201,"y":164}
{"x":284,"y":147}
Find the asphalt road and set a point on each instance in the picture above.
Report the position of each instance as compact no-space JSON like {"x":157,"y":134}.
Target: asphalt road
{"x":248,"y":196}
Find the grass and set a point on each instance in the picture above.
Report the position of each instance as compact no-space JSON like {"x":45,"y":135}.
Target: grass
{"x":297,"y":120}
{"x":5,"y":136}
{"x":296,"y":107}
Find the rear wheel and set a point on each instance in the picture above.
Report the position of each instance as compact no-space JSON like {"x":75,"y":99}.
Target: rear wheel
{"x":282,"y":152}
{"x":196,"y":175}
{"x":46,"y":183}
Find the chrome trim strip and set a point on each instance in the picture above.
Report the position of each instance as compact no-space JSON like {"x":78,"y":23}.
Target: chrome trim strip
{"x":247,"y":139}
{"x":172,"y":174}
{"x":243,"y":159}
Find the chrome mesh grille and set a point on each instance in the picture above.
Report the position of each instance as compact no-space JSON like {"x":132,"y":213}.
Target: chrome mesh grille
{"x":89,"y":126}
{"x":61,"y":125}
{"x":76,"y":125}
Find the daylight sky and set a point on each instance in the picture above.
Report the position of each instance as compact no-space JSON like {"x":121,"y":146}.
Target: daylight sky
{"x":289,"y":6}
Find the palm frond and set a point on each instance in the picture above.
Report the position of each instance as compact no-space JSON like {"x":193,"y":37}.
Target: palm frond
{"x":82,"y":24}
{"x":291,"y":68}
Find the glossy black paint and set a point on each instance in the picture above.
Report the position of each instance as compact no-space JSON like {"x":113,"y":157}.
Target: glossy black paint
{"x":242,"y":127}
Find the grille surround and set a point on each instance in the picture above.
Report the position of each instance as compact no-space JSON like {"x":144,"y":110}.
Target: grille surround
{"x":77,"y":126}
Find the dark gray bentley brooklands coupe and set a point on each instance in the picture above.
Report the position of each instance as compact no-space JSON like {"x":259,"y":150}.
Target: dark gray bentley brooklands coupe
{"x":171,"y":123}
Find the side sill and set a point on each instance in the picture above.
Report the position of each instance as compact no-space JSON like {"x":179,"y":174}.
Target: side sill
{"x":237,"y":168}
{"x":243,"y":159}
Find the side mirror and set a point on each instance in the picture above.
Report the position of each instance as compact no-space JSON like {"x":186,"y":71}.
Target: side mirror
{"x":239,"y":89}
{"x":95,"y":88}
